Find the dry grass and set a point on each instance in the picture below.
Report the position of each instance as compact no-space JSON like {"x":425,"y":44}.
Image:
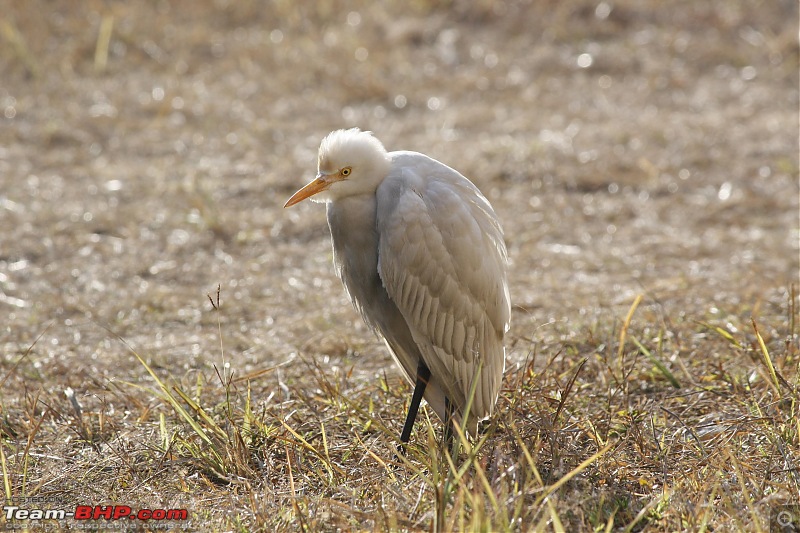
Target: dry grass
{"x":650,"y":202}
{"x":701,"y":433}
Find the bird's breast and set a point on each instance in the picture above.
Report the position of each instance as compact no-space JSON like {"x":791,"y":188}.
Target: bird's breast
{"x":354,"y":237}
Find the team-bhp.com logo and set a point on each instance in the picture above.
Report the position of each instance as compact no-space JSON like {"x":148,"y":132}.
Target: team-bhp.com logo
{"x":94,"y":512}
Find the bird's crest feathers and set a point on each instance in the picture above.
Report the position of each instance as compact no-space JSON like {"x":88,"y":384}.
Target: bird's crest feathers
{"x":350,"y":147}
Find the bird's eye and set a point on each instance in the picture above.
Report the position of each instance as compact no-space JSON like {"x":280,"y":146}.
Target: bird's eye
{"x":346,"y":171}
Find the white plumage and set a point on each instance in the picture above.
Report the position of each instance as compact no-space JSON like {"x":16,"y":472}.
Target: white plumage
{"x":421,"y":254}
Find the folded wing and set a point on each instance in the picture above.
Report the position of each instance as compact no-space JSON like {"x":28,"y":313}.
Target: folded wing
{"x":442,"y":259}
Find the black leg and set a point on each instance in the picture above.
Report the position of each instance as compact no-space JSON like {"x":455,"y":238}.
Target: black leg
{"x":423,"y":375}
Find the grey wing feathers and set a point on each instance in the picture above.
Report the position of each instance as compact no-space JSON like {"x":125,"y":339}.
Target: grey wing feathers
{"x":442,"y":260}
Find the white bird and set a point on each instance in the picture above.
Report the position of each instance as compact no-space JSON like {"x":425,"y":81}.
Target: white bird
{"x":421,"y":254}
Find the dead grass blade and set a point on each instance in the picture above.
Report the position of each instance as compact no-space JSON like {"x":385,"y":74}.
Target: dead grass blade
{"x":199,"y":411}
{"x":793,"y":316}
{"x":20,"y":47}
{"x":26,"y":354}
{"x":734,"y":462}
{"x":6,"y":477}
{"x":167,"y":396}
{"x":165,"y":393}
{"x":558,"y":526}
{"x":767,"y":359}
{"x":567,"y":390}
{"x":657,"y":363}
{"x":574,"y":472}
{"x":374,"y":456}
{"x":687,"y":428}
{"x":721,"y":332}
{"x":103,"y":41}
{"x":488,"y":491}
{"x":623,"y":331}
{"x":295,"y":505}
{"x":645,"y":510}
{"x":28,"y":445}
{"x":302,"y":441}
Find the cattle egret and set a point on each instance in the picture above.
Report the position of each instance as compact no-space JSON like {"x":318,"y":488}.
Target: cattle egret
{"x":421,"y":254}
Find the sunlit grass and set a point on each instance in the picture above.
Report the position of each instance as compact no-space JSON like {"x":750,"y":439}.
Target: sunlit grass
{"x":553,"y":458}
{"x":570,"y":447}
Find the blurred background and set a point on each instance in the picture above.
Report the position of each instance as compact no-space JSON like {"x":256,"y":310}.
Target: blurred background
{"x":147,"y":148}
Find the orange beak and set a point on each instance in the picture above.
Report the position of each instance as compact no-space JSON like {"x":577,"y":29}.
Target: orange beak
{"x":319,"y":184}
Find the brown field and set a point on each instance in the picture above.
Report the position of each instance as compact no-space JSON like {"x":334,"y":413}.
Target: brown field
{"x":630,"y":148}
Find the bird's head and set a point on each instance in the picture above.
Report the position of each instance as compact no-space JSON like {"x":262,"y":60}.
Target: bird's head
{"x":350,"y":162}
